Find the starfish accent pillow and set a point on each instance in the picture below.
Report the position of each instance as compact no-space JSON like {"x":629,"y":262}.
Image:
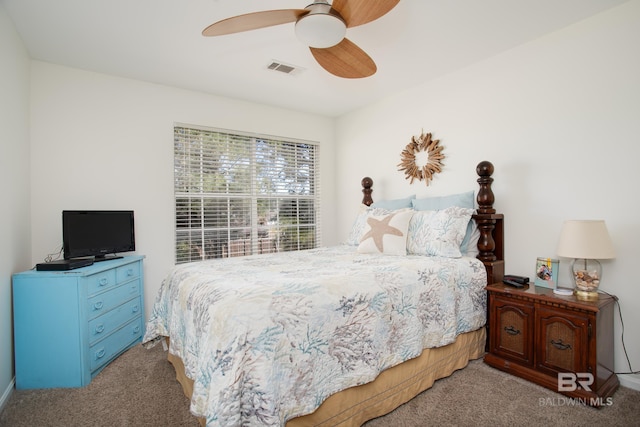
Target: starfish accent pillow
{"x":359,"y":225}
{"x":386,"y":234}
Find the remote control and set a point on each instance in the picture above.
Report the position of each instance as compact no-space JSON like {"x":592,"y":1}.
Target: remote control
{"x":520,"y":279}
{"x":513,"y":283}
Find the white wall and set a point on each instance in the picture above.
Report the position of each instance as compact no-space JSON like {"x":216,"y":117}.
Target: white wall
{"x":14,"y":185}
{"x":558,"y":117}
{"x":101,"y":142}
{"x":560,"y":120}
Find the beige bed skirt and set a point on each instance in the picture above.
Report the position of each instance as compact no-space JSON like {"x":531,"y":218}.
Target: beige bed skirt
{"x":393,"y":387}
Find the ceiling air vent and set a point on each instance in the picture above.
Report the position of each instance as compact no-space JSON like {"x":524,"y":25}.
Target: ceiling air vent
{"x":284,"y":68}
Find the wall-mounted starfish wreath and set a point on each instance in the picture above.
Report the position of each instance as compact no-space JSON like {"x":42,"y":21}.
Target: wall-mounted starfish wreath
{"x":412,"y":167}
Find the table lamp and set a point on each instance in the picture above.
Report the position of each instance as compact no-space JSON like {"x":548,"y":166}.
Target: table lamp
{"x":586,"y":241}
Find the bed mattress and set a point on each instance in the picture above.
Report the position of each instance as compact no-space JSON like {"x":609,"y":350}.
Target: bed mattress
{"x":266,"y":338}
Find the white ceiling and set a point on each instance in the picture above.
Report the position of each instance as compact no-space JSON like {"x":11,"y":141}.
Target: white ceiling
{"x":160,"y":41}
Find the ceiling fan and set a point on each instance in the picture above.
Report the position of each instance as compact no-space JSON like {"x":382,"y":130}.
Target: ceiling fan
{"x":322,"y":27}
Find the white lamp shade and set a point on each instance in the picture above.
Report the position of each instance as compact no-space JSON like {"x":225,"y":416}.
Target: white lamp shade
{"x":587,"y":239}
{"x":320,"y":30}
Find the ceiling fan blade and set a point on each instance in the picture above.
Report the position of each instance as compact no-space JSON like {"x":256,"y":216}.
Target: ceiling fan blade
{"x":345,"y":60}
{"x":253,"y":21}
{"x":358,"y":12}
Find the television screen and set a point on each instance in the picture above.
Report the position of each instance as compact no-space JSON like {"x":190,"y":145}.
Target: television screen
{"x":97,"y":233}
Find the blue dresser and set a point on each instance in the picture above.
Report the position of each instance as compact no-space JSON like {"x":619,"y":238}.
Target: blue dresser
{"x":68,"y":325}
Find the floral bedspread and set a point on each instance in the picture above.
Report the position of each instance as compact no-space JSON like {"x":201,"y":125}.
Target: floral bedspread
{"x":268,"y":338}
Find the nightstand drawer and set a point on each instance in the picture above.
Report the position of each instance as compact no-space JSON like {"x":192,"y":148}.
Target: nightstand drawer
{"x":563,"y":336}
{"x":105,"y":350}
{"x":102,"y":326}
{"x":513,"y":330}
{"x":104,"y":302}
{"x":101,"y":282}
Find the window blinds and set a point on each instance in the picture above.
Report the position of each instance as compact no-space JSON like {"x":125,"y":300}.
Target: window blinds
{"x":241,"y":194}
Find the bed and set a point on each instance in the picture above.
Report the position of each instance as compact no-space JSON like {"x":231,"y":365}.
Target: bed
{"x":338,"y":335}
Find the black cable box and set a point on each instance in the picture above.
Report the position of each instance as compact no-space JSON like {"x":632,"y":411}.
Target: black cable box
{"x":64,"y":264}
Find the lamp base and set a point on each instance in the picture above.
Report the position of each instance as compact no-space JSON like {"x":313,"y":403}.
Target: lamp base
{"x":586,"y":295}
{"x":586,"y":276}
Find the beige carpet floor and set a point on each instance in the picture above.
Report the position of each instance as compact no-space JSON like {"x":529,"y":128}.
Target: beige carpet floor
{"x":139,"y":389}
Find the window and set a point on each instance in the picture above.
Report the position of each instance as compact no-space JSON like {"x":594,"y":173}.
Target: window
{"x":240,"y":194}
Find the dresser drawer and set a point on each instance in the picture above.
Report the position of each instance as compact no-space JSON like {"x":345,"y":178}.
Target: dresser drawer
{"x":106,"y":301}
{"x":102,"y":326}
{"x":128,"y":272}
{"x":100,"y":282}
{"x":105,"y":350}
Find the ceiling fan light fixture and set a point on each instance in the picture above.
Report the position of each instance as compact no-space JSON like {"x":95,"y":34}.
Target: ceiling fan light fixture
{"x":321,"y":29}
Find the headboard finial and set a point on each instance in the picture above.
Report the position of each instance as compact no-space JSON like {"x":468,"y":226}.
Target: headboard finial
{"x":485,"y":168}
{"x":490,"y":224}
{"x":367,"y":183}
{"x":485,"y":194}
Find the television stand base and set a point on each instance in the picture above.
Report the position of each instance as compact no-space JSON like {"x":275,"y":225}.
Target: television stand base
{"x":106,"y":258}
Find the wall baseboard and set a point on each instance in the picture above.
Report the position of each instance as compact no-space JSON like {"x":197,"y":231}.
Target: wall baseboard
{"x":7,"y":394}
{"x":630,"y":381}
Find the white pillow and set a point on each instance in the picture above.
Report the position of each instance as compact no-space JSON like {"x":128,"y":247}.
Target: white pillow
{"x":469,"y":245}
{"x":386,"y":234}
{"x":438,"y":233}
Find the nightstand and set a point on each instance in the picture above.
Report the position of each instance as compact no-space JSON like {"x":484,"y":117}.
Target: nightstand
{"x":543,"y":337}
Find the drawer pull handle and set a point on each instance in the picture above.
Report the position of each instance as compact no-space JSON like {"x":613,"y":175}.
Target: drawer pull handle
{"x":103,"y":281}
{"x":130,"y":272}
{"x":100,"y":354}
{"x":136,"y":329}
{"x":560,"y":345}
{"x":511,"y":330}
{"x":135,"y":309}
{"x":98,"y":305}
{"x":99,"y":329}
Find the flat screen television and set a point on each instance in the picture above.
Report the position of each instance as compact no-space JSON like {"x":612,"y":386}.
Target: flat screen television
{"x":99,"y":234}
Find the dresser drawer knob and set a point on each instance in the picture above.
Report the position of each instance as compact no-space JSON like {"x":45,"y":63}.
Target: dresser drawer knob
{"x":135,"y":309}
{"x":136,"y":329}
{"x":130,"y":272}
{"x":99,"y":329}
{"x":98,"y":305}
{"x":103,"y":282}
{"x":560,"y":345}
{"x":511,"y":330}
{"x":100,"y":354}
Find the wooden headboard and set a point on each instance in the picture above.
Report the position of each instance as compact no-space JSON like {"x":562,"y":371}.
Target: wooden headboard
{"x":490,"y":223}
